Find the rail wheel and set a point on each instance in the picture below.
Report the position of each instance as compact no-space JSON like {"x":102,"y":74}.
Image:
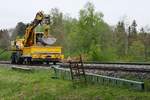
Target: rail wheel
{"x":27,"y":60}
{"x":13,"y":58}
{"x":54,"y":63}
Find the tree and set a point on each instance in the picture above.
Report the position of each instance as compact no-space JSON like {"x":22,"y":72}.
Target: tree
{"x":94,"y":35}
{"x":134,"y":29}
{"x":56,"y":25}
{"x":121,"y":39}
{"x":4,"y":38}
{"x":132,"y":33}
{"x":70,"y":31}
{"x":137,"y":51}
{"x":19,"y":30}
{"x":143,"y":36}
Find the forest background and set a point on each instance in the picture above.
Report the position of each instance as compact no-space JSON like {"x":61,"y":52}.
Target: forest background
{"x":90,"y":36}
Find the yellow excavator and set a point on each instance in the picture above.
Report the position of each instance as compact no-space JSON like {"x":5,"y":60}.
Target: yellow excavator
{"x":36,"y":47}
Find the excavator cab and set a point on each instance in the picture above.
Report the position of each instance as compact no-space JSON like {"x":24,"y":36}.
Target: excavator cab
{"x":38,"y":37}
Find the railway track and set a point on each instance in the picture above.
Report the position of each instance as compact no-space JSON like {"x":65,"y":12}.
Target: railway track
{"x":34,"y":66}
{"x":125,"y":67}
{"x":122,"y":63}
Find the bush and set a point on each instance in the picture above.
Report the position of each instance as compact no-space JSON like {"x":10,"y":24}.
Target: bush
{"x":96,"y":54}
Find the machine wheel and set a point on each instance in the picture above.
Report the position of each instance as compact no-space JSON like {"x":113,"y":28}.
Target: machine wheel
{"x":47,"y":62}
{"x":27,"y":60}
{"x":20,"y":60}
{"x":13,"y":58}
{"x":54,"y":63}
{"x":16,"y":59}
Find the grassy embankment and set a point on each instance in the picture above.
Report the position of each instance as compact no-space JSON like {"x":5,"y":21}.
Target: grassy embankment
{"x":38,"y":85}
{"x":4,"y":55}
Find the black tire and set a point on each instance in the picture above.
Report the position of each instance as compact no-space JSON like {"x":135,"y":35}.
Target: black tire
{"x":54,"y":63}
{"x":47,"y":62}
{"x":20,"y":60}
{"x":28,"y":60}
{"x":16,"y":58}
{"x":13,"y":58}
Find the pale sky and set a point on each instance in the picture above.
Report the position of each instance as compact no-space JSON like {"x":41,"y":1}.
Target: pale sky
{"x":14,"y":11}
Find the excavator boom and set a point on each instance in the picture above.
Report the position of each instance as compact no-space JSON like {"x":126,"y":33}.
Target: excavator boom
{"x":29,"y":34}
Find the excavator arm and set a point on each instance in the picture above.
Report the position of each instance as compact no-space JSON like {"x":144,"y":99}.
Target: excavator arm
{"x":29,"y":33}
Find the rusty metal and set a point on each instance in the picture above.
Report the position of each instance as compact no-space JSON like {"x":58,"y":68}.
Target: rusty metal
{"x":77,"y":71}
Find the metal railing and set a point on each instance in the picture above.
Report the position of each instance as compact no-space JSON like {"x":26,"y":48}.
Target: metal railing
{"x":100,"y":79}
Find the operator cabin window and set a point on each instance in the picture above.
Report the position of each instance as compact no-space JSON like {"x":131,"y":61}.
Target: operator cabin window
{"x":39,"y":37}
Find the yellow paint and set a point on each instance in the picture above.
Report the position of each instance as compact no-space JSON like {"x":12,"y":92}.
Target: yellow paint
{"x":45,"y":49}
{"x":43,"y":52}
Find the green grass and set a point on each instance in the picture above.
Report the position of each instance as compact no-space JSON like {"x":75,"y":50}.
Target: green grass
{"x":5,"y":55}
{"x":38,"y":85}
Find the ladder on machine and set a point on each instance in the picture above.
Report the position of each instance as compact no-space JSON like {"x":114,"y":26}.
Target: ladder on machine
{"x":77,"y":71}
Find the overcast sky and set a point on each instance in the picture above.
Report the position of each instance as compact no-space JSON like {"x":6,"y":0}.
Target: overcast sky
{"x":14,"y":11}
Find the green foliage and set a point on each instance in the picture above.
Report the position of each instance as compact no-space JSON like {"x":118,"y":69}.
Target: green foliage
{"x":89,"y":27}
{"x":4,"y":38}
{"x":19,"y":30}
{"x":39,"y":28}
{"x":137,"y":51}
{"x":57,"y":26}
{"x":5,"y":55}
{"x":91,"y":34}
{"x":120,"y":39}
{"x":133,"y":28}
{"x":95,"y":53}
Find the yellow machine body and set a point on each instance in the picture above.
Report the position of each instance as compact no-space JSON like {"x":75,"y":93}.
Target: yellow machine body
{"x":18,"y":43}
{"x":32,"y":48}
{"x":50,"y":53}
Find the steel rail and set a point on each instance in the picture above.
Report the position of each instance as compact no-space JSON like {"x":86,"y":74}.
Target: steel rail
{"x":100,"y":66}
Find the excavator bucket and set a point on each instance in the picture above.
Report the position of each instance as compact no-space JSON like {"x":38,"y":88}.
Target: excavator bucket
{"x":48,"y":41}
